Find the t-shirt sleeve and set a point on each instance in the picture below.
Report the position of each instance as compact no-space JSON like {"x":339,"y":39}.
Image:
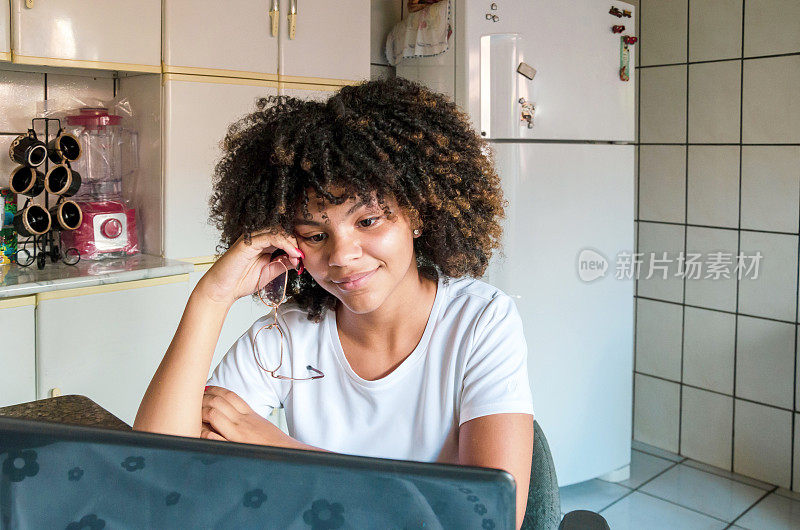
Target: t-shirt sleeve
{"x":496,"y":374}
{"x":239,"y":372}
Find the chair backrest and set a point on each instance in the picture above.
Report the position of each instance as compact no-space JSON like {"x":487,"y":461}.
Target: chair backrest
{"x":543,"y":511}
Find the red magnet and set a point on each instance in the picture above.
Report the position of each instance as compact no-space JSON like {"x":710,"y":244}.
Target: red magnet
{"x":627,"y":39}
{"x":617,"y":29}
{"x":616,"y":12}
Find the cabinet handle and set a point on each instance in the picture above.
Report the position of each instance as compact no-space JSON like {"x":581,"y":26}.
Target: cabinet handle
{"x":29,"y":4}
{"x":292,"y":18}
{"x":274,"y":13}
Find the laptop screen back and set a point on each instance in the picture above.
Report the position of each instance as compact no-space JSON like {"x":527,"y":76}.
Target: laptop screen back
{"x":63,"y":476}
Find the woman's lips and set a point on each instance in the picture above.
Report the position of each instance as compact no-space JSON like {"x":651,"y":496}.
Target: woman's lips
{"x":355,"y":284}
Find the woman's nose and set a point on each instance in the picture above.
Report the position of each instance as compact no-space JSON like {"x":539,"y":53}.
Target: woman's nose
{"x":343,"y":251}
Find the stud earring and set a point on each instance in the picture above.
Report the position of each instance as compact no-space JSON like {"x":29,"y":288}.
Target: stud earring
{"x":416,"y":231}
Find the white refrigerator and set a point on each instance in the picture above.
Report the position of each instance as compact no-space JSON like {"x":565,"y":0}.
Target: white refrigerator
{"x":569,"y":182}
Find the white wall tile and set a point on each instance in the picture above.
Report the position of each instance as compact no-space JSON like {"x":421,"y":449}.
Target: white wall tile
{"x":796,"y":484}
{"x":708,"y":349}
{"x":797,"y":376}
{"x":714,"y":102}
{"x":770,"y":188}
{"x":705,"y":285}
{"x":762,"y":446}
{"x":663,"y":104}
{"x":765,"y":361}
{"x":771,"y":27}
{"x":662,"y":181}
{"x":771,"y":102}
{"x":707,"y":427}
{"x":78,"y":91}
{"x":715,"y":29}
{"x":663,"y":31}
{"x":773,"y":293}
{"x":19,"y":94}
{"x":654,"y":240}
{"x":713,"y":181}
{"x":655,"y":412}
{"x":658,"y":339}
{"x":384,"y":15}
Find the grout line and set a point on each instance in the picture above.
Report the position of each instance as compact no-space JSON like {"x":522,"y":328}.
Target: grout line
{"x":767,"y":494}
{"x":732,"y":144}
{"x":789,"y":54}
{"x":717,"y":310}
{"x":740,"y":398}
{"x":738,"y":250}
{"x":682,"y":458}
{"x":742,"y":480}
{"x":750,"y":230}
{"x":695,"y":510}
{"x":685,"y":229}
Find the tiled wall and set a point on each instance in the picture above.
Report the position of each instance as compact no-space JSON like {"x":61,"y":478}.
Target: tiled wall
{"x":716,"y":371}
{"x":23,"y":92}
{"x":385,"y":14}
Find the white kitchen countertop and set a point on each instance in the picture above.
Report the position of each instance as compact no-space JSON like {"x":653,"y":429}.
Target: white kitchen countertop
{"x":20,"y":281}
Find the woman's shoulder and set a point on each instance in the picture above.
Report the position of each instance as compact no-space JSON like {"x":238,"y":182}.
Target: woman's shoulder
{"x":473,"y":295}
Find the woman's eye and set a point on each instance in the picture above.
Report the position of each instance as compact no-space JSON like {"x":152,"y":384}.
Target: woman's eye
{"x":314,"y":238}
{"x":369,"y":219}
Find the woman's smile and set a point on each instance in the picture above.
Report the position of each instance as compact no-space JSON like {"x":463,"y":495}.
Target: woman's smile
{"x":357,"y":283}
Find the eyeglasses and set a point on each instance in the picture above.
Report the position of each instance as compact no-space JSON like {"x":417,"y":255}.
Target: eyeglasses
{"x":275,"y":291}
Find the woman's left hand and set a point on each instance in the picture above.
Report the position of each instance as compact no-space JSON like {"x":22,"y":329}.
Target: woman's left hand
{"x":226,"y":416}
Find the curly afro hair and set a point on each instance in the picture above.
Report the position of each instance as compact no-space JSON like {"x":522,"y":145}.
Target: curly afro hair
{"x":392,"y":138}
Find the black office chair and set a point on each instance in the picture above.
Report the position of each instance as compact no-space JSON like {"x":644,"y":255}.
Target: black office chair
{"x":543,"y":511}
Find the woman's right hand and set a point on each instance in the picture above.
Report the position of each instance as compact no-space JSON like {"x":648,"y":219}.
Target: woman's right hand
{"x":245,"y":269}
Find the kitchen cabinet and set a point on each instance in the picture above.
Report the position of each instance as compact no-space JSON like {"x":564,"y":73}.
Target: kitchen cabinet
{"x":17,"y":352}
{"x":197,"y":113}
{"x":330,"y":44}
{"x":106,"y":342}
{"x":5,"y":31}
{"x":232,"y":38}
{"x":110,"y":35}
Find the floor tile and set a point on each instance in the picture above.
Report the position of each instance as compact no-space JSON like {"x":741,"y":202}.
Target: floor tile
{"x":727,"y":474}
{"x":656,"y":451}
{"x":638,"y":510}
{"x":710,"y":494}
{"x":591,"y":495}
{"x":643,"y":468}
{"x":775,"y":512}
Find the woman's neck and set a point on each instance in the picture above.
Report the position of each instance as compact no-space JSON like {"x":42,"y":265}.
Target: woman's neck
{"x":395,"y":328}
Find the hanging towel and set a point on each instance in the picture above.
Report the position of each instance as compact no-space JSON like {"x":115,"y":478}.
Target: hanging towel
{"x":423,"y":33}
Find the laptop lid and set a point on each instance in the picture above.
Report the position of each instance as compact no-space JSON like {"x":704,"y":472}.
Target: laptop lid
{"x":55,"y":475}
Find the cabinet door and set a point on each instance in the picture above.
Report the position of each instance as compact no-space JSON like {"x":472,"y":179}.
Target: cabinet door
{"x":113,"y":35}
{"x":331,"y":43}
{"x":18,"y":352}
{"x":232,"y":38}
{"x":107,"y":342}
{"x":5,"y":31}
{"x":196,"y":118}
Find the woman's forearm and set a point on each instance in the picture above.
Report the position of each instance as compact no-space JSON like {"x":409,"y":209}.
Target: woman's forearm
{"x":173,"y":400}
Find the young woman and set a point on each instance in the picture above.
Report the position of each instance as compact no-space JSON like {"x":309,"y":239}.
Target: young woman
{"x":385,"y":207}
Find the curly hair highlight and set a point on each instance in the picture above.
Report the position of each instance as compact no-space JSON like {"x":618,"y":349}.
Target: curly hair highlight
{"x":391,"y":137}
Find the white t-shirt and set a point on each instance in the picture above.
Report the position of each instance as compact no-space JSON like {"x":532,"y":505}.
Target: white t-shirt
{"x":472,"y":361}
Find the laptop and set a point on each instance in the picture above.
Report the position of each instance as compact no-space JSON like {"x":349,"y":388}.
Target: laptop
{"x":56,"y":475}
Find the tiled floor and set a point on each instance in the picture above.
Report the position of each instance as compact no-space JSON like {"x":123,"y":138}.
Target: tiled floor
{"x":669,"y":491}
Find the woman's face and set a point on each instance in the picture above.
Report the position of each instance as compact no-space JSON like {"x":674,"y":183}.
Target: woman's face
{"x":359,"y":242}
